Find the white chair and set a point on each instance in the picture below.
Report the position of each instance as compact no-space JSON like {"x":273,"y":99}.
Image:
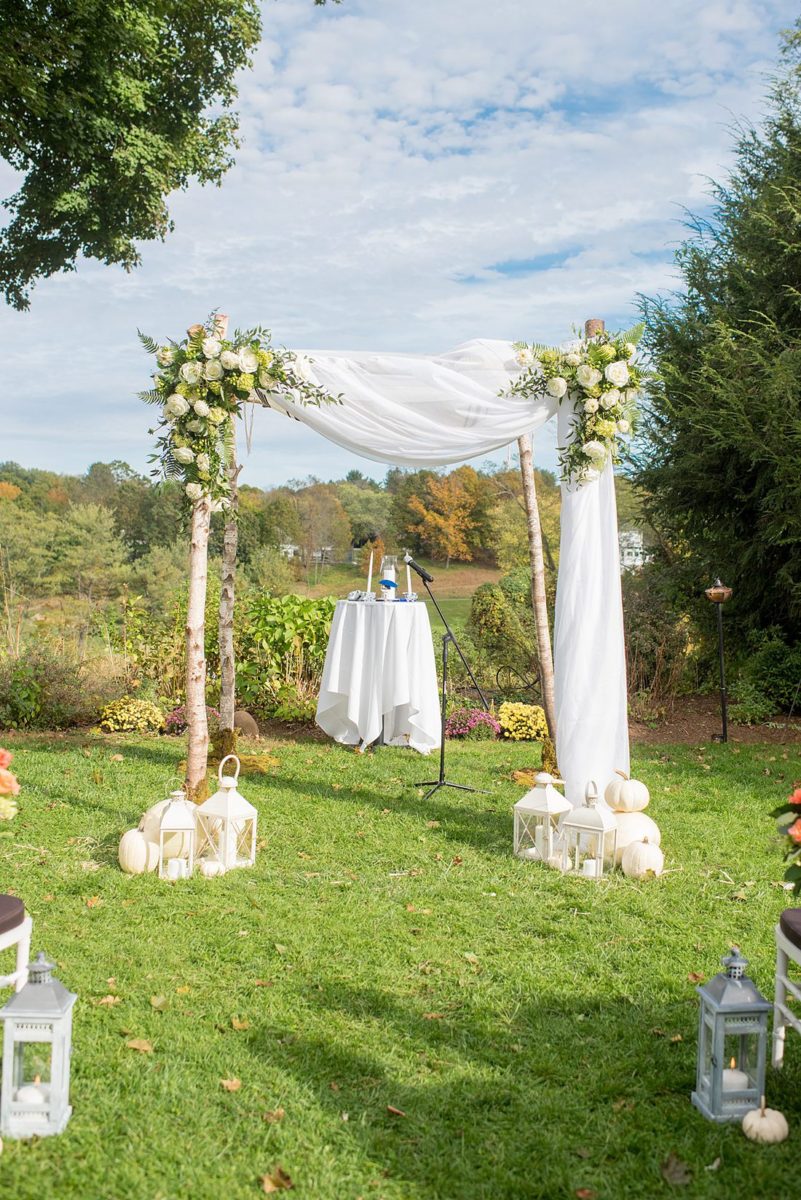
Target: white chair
{"x":788,"y":949}
{"x":15,"y":930}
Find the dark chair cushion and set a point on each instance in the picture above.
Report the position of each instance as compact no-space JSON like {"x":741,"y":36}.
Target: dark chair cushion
{"x":12,"y":913}
{"x":790,"y":922}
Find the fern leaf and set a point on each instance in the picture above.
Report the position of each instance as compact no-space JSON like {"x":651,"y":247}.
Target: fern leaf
{"x":634,"y":334}
{"x":149,"y":344}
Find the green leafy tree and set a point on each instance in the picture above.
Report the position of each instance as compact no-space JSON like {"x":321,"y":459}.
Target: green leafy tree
{"x":719,"y":471}
{"x":368,"y":509}
{"x":107,"y":106}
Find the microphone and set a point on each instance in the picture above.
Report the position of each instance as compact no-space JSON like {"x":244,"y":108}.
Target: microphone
{"x":421,"y":571}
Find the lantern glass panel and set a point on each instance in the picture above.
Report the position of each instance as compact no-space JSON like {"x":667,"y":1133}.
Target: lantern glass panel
{"x":32,"y":1063}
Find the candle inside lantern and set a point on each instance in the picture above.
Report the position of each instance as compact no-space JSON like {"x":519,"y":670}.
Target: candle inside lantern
{"x":735,"y":1080}
{"x":539,"y":841}
{"x":370,"y":574}
{"x":590,"y":868}
{"x":32,"y":1093}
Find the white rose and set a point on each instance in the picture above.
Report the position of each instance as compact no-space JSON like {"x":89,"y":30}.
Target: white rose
{"x":573,"y":359}
{"x":591,"y":405}
{"x":524,"y":357}
{"x":590,"y":474}
{"x":217,"y":415}
{"x":214,"y":369}
{"x":165,"y":355}
{"x":617,"y":373}
{"x":595,"y":450}
{"x":211,"y":347}
{"x":191,"y":373}
{"x":194,"y":491}
{"x":630,"y":396}
{"x":195,"y":426}
{"x":610,"y":399}
{"x":183,"y":455}
{"x":248,"y":362}
{"x":202,"y":461}
{"x":201,"y":408}
{"x":629,"y":349}
{"x":623,"y":426}
{"x":301,"y":369}
{"x":556,"y":387}
{"x":266,"y":381}
{"x":230,"y":360}
{"x":175,"y":407}
{"x":588,"y":376}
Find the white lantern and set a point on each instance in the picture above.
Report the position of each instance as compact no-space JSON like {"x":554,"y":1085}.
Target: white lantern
{"x":537,"y":818}
{"x":37,"y":1037}
{"x":178,"y":818}
{"x":227,"y":824}
{"x":589,"y":837}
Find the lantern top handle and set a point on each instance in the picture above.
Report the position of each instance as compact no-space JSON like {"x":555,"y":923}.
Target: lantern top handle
{"x":222,"y":764}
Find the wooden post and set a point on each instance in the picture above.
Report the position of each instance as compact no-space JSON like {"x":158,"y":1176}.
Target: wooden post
{"x":593,"y":326}
{"x":538,"y":597}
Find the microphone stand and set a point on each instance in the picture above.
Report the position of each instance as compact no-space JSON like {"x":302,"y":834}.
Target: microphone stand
{"x":448,"y":639}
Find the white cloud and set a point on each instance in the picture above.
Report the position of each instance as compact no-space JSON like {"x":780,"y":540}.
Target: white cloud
{"x":393,"y":155}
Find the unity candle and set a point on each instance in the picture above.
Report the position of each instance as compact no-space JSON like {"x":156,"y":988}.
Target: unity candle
{"x":408,"y":581}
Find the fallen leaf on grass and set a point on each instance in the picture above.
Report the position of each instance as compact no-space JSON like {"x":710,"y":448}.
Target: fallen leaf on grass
{"x":696,"y":977}
{"x":230,"y":1085}
{"x":472,"y":959}
{"x":140,"y":1044}
{"x":93,"y":902}
{"x":585,"y":1193}
{"x":676,"y":1038}
{"x":279,"y":949}
{"x":333,"y":1086}
{"x":457,"y":860}
{"x":159,"y":1003}
{"x":395,"y":1112}
{"x":675,"y":1172}
{"x":109,"y":1000}
{"x":272,"y":1118}
{"x":432,"y":824}
{"x":183,"y":990}
{"x":117,"y":758}
{"x":713,"y":1166}
{"x":263,"y":983}
{"x":583,"y":1152}
{"x":433,"y":1016}
{"x":239,"y":1025}
{"x":278,"y":1180}
{"x":89,"y":864}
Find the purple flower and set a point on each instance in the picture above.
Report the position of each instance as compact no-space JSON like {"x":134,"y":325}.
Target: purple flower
{"x":175,"y":721}
{"x":472,"y":723}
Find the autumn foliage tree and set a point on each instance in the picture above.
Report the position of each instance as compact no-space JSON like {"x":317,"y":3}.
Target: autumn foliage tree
{"x":445,"y":515}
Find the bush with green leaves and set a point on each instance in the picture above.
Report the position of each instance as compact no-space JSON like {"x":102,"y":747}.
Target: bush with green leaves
{"x":501,"y":624}
{"x":130,"y":715}
{"x":750,"y":705}
{"x":49,"y":687}
{"x":658,"y":642}
{"x":281,"y":647}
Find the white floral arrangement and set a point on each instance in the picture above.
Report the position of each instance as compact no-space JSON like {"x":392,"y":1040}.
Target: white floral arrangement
{"x":600,"y":376}
{"x":201,"y":384}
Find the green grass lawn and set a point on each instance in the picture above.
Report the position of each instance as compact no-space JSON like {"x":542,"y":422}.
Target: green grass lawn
{"x":536,"y":1032}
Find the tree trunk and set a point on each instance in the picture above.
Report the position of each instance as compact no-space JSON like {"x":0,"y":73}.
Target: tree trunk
{"x":538,"y":598}
{"x":227,"y":738}
{"x":198,"y":729}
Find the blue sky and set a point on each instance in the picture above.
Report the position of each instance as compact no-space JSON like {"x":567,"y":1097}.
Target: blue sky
{"x":413,"y":174}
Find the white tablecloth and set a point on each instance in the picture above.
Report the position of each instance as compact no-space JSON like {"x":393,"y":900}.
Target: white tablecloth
{"x":380,"y":670}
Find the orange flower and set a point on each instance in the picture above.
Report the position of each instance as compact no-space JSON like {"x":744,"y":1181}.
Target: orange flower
{"x":796,"y":797}
{"x":5,"y":760}
{"x":10,"y":787}
{"x":794,"y":832}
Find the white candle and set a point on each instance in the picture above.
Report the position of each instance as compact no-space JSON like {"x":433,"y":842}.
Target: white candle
{"x":735,"y":1081}
{"x":590,"y":868}
{"x":539,"y":840}
{"x":408,"y":581}
{"x":31,"y":1093}
{"x":174,"y":868}
{"x":370,"y":574}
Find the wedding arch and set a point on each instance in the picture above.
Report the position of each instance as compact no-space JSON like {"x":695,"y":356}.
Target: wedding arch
{"x":428,"y":411}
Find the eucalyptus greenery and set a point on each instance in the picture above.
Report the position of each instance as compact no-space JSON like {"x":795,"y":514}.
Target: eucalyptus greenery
{"x":201,"y":383}
{"x":601,"y":378}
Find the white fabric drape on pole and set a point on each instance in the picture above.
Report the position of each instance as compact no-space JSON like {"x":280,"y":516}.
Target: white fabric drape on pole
{"x":592,"y":734}
{"x":428,"y":411}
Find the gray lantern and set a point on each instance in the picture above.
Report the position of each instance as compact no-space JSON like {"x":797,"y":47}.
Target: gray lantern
{"x":537,"y":817}
{"x":37,"y":1035}
{"x":732,"y":1043}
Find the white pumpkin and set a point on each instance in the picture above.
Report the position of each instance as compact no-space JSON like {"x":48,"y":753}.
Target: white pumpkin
{"x":209,"y":868}
{"x":641,"y":859}
{"x":765,"y":1125}
{"x":176,"y":845}
{"x":136,"y":854}
{"x":626,"y":795}
{"x":635,"y":827}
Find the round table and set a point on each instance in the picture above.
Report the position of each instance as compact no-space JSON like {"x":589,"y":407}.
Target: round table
{"x":380,"y":674}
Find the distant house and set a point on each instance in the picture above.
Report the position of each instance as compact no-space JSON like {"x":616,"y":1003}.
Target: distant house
{"x":289,"y":549}
{"x":633,"y":553}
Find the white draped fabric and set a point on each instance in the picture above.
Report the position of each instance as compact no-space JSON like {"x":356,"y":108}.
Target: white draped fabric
{"x":428,"y":411}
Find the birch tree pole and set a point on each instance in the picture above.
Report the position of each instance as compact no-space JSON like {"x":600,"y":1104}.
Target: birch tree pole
{"x":227,"y":744}
{"x":196,"y":720}
{"x":538,"y":597}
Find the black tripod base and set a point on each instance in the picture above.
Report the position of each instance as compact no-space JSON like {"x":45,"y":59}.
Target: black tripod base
{"x":435,"y":784}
